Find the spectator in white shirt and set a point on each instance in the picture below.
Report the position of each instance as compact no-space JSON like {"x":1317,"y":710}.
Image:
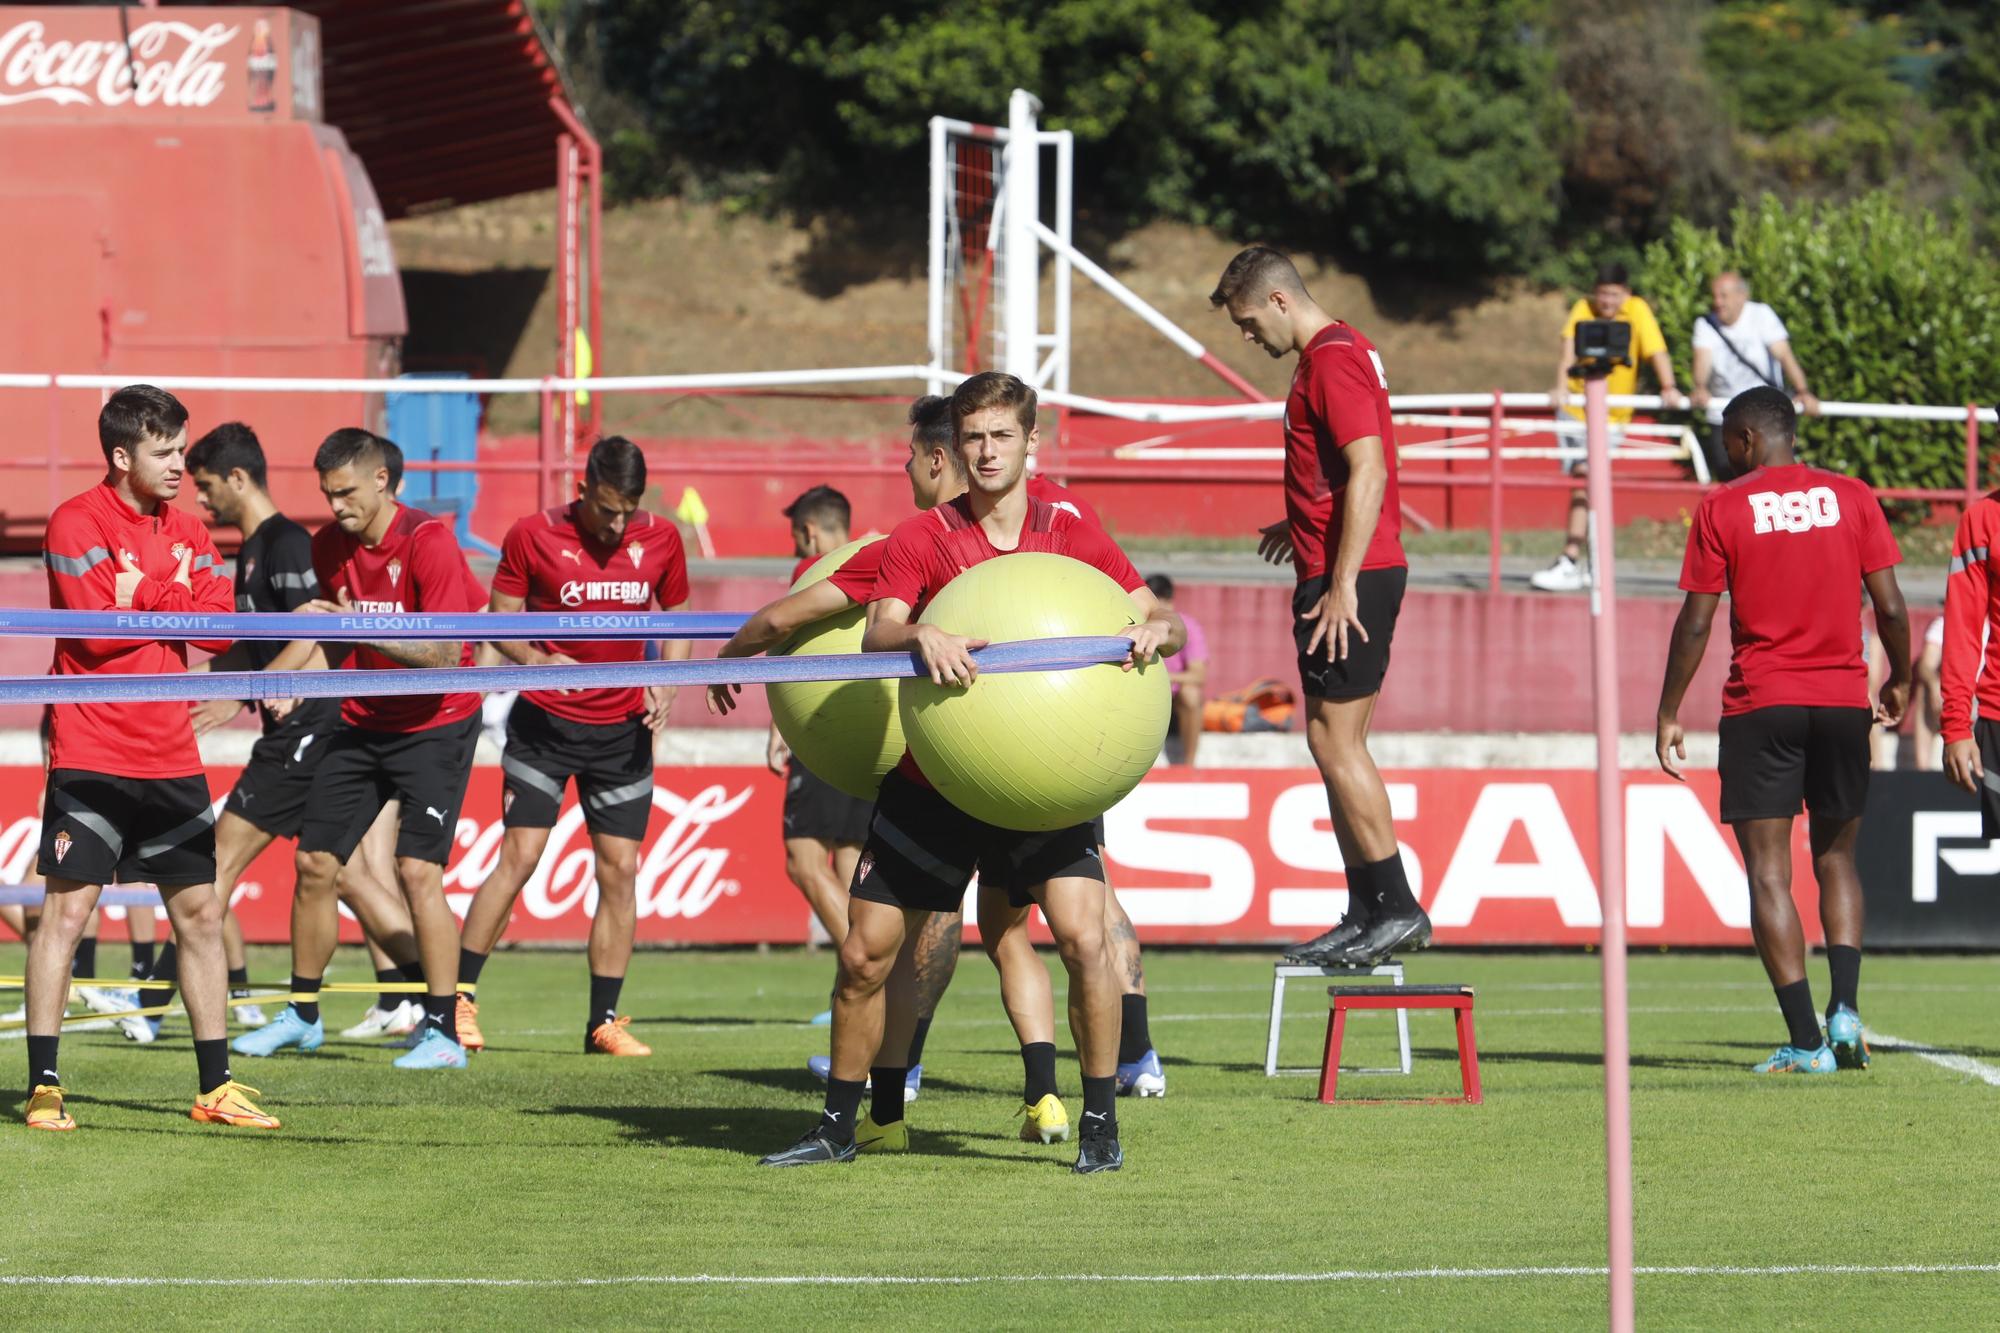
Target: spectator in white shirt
{"x":1741,"y":345}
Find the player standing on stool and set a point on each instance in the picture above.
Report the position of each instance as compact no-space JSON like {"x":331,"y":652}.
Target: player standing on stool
{"x":127,"y":795}
{"x":1793,"y":546}
{"x":381,"y":558}
{"x":1342,"y":531}
{"x":601,"y":552}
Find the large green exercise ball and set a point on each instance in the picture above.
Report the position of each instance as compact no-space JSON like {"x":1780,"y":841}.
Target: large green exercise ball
{"x":845,"y":731}
{"x":1036,"y":750}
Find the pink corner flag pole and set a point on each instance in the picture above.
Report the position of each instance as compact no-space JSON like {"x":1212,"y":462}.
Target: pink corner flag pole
{"x":1610,"y":859}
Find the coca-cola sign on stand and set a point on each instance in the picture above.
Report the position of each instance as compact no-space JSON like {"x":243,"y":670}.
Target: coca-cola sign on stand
{"x":108,"y":62}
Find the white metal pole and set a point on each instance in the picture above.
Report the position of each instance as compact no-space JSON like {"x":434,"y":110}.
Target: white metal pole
{"x":1024,"y":210}
{"x":1065,"y":156}
{"x":940,"y":274}
{"x":1065,"y":207}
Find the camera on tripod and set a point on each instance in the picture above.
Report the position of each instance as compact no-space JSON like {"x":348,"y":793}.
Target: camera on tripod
{"x":1602,"y":345}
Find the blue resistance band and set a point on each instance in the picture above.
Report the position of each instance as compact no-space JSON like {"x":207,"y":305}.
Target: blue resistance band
{"x":462,"y":627}
{"x":1001,"y":658}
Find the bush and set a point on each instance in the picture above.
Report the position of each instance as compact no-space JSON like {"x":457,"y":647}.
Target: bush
{"x":1883,"y":304}
{"x":1391,"y":130}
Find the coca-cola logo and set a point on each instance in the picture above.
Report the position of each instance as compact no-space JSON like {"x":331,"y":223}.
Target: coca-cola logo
{"x":678,"y":876}
{"x":165,"y":63}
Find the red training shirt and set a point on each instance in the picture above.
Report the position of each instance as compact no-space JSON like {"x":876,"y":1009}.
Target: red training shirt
{"x":1041,"y":488}
{"x":924,"y":553}
{"x":1971,"y":604}
{"x":1790,"y":545}
{"x":417,"y":566}
{"x":81,"y":547}
{"x":856,"y":578}
{"x":548,"y":562}
{"x":1340,"y":394}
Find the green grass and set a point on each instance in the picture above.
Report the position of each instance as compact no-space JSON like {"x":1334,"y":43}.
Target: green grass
{"x":543,"y":1164}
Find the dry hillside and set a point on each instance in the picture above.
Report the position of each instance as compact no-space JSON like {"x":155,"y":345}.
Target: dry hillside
{"x":689,"y":287}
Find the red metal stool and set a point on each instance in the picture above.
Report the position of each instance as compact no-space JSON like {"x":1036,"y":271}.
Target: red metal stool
{"x":1456,"y":998}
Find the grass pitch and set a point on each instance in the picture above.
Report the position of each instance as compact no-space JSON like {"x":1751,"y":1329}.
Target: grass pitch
{"x":587,"y":1192}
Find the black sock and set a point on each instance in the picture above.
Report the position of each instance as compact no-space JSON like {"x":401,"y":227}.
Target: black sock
{"x":916,"y":1055}
{"x":86,"y":957}
{"x":603,"y":1000}
{"x":1100,"y":1107}
{"x":412,"y":973}
{"x":843,"y":1103}
{"x":1038,"y":1059}
{"x":1392,"y":886}
{"x":1364,"y":896}
{"x":885,"y":1106}
{"x":211,"y":1060}
{"x":306,"y":1009}
{"x":1795,"y":1003}
{"x":239,"y":981}
{"x":166,"y":971}
{"x":1134,"y":1040}
{"x":42,"y":1061}
{"x":441,"y":1011}
{"x":388,"y":1000}
{"x":142,"y":957}
{"x":470,"y":965}
{"x":1844,"y":962}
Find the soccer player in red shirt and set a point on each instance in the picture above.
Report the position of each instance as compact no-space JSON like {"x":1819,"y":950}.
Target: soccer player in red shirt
{"x":601,"y":552}
{"x":378,"y":557}
{"x":823,"y":826}
{"x":127,"y":795}
{"x":1793,"y":546}
{"x":1966,"y":676}
{"x":936,"y":475}
{"x":1341,"y":531}
{"x":922,"y":851}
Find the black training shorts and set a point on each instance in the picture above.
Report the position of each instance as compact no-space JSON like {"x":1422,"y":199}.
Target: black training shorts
{"x":1987,"y":733}
{"x":1774,"y":759}
{"x":922,"y":851}
{"x":101,"y":829}
{"x":1360,"y":673}
{"x":821,"y":811}
{"x":363,"y":771}
{"x":612,"y":763}
{"x":272,"y":790}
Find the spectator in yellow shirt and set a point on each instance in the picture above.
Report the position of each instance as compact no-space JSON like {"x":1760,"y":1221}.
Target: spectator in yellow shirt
{"x":1610,"y":298}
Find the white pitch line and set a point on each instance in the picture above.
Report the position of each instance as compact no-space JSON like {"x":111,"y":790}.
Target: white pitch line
{"x":995,"y":1279}
{"x":1952,"y":1060}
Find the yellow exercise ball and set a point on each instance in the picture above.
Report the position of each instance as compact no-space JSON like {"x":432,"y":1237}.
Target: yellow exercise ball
{"x":1036,"y":750}
{"x":846,"y":732}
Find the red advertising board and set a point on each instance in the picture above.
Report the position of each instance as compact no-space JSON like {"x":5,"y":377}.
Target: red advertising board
{"x":1207,"y":856}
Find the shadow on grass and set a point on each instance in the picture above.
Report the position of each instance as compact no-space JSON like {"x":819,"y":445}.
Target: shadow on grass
{"x":1591,"y":1058}
{"x":798,"y":1079}
{"x":714,"y":1020}
{"x":751,"y":1131}
{"x":172,"y":1121}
